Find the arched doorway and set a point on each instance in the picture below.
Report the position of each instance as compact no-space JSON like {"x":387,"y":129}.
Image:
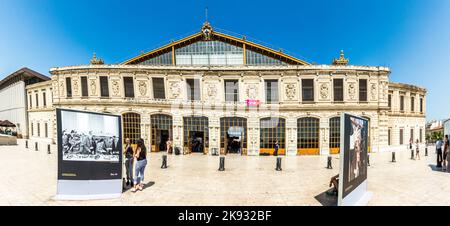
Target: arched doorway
{"x":272,"y":130}
{"x":131,"y":127}
{"x":335,"y":135}
{"x":161,"y":131}
{"x":233,"y":135}
{"x":308,"y":134}
{"x":196,"y":134}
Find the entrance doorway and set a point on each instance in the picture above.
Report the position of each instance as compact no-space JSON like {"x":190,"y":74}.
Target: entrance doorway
{"x":233,"y":139}
{"x":197,"y":142}
{"x":195,"y":134}
{"x":161,"y":131}
{"x":162,"y":138}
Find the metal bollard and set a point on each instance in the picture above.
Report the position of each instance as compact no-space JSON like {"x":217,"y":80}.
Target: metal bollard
{"x":426,"y":151}
{"x":393,"y":156}
{"x":48,"y":149}
{"x":164,"y":162}
{"x":222,"y":164}
{"x":36,"y":146}
{"x":329,"y":165}
{"x":278,"y":164}
{"x":26,"y":144}
{"x":412,"y":154}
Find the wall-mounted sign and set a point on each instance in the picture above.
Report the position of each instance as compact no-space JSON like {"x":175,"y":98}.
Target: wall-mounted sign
{"x":253,"y":103}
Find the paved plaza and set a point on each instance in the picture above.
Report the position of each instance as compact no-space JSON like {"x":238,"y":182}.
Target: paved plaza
{"x":29,"y":178}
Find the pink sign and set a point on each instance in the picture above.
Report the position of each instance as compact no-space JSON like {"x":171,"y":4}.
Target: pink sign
{"x":253,"y":103}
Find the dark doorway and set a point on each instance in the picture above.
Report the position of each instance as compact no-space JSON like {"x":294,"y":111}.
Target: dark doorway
{"x":197,"y":140}
{"x":163,"y":138}
{"x":234,"y":145}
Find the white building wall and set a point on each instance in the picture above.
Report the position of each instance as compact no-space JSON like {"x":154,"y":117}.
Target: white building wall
{"x":13,"y":106}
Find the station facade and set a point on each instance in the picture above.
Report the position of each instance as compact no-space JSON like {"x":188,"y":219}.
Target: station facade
{"x":213,"y":92}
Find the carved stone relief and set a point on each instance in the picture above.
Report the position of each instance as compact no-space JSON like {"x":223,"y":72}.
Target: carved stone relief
{"x":175,"y":89}
{"x":373,"y":91}
{"x":291,"y":90}
{"x":115,"y":87}
{"x":324,"y":91}
{"x":93,"y":87}
{"x":252,"y":91}
{"x":211,"y":91}
{"x":142,"y":88}
{"x":352,"y":90}
{"x":75,"y":87}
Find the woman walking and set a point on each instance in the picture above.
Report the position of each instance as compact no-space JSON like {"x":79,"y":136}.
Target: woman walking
{"x":129,"y":153}
{"x":141,"y":162}
{"x":417,"y":149}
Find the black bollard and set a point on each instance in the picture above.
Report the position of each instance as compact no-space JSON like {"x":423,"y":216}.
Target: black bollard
{"x":412,"y":154}
{"x":36,"y":146}
{"x":329,"y":165}
{"x":26,"y":144}
{"x":48,"y":149}
{"x":393,"y":156}
{"x":222,"y":164}
{"x":368,"y":160}
{"x":164,"y":162}
{"x":426,"y":151}
{"x":278,"y":164}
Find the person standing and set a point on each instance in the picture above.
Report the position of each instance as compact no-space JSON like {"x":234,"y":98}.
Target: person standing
{"x":411,"y":144}
{"x":445,"y":156}
{"x":417,"y":149}
{"x":277,"y":147}
{"x":129,"y":153}
{"x":169,"y":146}
{"x":141,"y":162}
{"x":439,"y":153}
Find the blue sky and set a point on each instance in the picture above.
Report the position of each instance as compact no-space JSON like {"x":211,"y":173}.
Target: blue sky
{"x":412,"y":37}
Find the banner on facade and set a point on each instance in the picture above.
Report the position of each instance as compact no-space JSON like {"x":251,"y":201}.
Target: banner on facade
{"x":89,"y":155}
{"x":353,"y":168}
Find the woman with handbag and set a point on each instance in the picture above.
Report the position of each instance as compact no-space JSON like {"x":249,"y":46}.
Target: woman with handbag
{"x":140,"y":157}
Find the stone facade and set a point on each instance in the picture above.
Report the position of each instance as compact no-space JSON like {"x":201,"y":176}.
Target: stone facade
{"x":385,"y":121}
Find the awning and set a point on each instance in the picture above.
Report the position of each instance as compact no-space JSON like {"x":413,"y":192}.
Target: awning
{"x":235,"y":131}
{"x":7,"y":123}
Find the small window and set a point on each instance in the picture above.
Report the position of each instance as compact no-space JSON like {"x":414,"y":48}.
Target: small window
{"x":401,"y":136}
{"x":129,"y":87}
{"x":338,"y":90}
{"x":420,"y":135}
{"x":44,"y":99}
{"x":271,"y":87}
{"x":38,"y":129}
{"x":389,"y":101}
{"x":193,"y":89}
{"x":363,"y":90}
{"x":37,"y":99}
{"x":30,"y":99}
{"x":46,"y":130}
{"x":421,"y":105}
{"x":307,"y":90}
{"x":158,"y":88}
{"x":232,"y":90}
{"x":402,"y":103}
{"x":104,"y":86}
{"x":69,"y":87}
{"x":389,"y":136}
{"x":412,"y":134}
{"x":32,"y":129}
{"x":412,"y":104}
{"x":84,"y":86}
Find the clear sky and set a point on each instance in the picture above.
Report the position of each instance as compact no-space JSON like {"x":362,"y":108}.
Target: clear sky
{"x":412,"y":37}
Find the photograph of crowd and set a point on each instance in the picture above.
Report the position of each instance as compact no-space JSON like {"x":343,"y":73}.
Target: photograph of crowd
{"x":90,"y":137}
{"x":358,"y":148}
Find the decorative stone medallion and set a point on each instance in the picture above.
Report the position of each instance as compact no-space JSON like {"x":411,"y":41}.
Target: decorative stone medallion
{"x":252,"y":91}
{"x":211,"y":90}
{"x":75,"y":87}
{"x":115,"y":87}
{"x":142,"y":88}
{"x":175,"y":90}
{"x":93,"y":85}
{"x":324,"y":91}
{"x":373,"y":91}
{"x":291,"y":90}
{"x":352,"y":90}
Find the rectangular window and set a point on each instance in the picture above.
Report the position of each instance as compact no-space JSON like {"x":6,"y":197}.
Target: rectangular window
{"x":69,"y":87}
{"x":363,"y":90}
{"x":30,"y":99}
{"x":401,"y":136}
{"x":193,"y":89}
{"x":104,"y":86}
{"x":420,"y":136}
{"x":159,"y":91}
{"x":338,"y":90}
{"x":32,"y":129}
{"x":307,"y":90}
{"x":38,"y":129}
{"x":402,"y":103}
{"x":44,"y":99}
{"x":389,"y":101}
{"x":421,"y":105}
{"x":37,"y":99}
{"x":271,"y":87}
{"x":389,"y":136}
{"x":129,"y":87}
{"x":84,"y":86}
{"x":412,"y":104}
{"x":46,"y":130}
{"x":232,"y":90}
{"x":412,"y":135}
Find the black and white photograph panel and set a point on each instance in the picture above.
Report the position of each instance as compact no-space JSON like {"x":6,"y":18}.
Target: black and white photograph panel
{"x":358,"y":148}
{"x":89,"y":137}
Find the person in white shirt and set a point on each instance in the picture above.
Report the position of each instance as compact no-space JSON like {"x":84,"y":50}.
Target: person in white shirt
{"x":439,"y":153}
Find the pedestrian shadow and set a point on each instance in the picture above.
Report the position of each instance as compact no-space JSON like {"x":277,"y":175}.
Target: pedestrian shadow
{"x":327,"y":200}
{"x":437,"y":169}
{"x":125,"y":188}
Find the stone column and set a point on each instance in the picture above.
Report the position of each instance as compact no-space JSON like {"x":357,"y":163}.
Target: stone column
{"x":253,"y":136}
{"x":324,"y":140}
{"x":177,"y":132}
{"x":214,"y":132}
{"x":291,"y":136}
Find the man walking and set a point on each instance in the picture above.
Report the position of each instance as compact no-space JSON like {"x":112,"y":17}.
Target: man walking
{"x":439,"y":153}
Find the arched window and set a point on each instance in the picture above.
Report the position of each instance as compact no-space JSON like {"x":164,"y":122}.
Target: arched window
{"x":335,"y":135}
{"x":272,"y":130}
{"x":233,"y":135}
{"x":131,"y":127}
{"x":308,"y":136}
{"x":196,"y":134}
{"x":161,"y":131}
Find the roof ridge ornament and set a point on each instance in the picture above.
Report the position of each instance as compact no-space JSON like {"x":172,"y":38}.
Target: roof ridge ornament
{"x":342,"y":60}
{"x":206,"y":28}
{"x":96,"y":61}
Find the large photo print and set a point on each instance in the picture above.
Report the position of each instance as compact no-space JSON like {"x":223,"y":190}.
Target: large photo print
{"x":354,"y":152}
{"x":89,"y":137}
